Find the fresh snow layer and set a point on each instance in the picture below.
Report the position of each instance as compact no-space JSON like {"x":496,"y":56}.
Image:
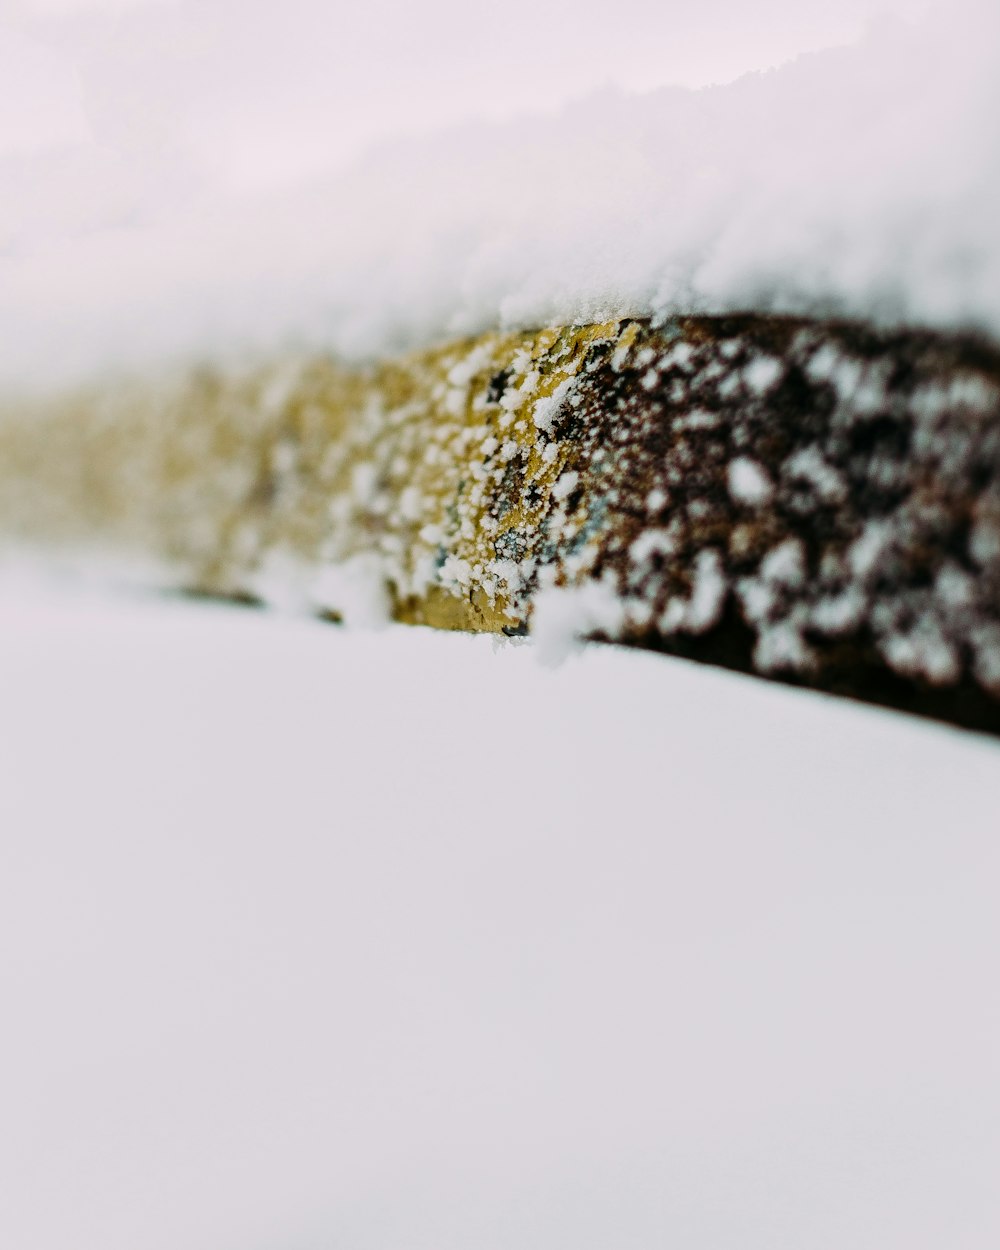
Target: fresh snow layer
{"x":863,"y":180}
{"x":312,"y":938}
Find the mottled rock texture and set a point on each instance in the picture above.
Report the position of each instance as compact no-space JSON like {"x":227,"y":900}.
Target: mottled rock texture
{"x":816,"y":502}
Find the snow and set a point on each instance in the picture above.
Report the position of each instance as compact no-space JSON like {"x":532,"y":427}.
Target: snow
{"x":320,"y":938}
{"x":353,"y":591}
{"x":564,"y":616}
{"x":862,"y":180}
{"x":749,"y":483}
{"x":807,"y":465}
{"x":708,"y":593}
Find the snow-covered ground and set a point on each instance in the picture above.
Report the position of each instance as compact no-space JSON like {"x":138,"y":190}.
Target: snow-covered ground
{"x":313,"y":939}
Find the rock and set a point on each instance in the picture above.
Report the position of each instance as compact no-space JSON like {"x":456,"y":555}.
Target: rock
{"x":812,"y":501}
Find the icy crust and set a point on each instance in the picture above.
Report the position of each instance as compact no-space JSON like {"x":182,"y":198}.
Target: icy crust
{"x":814,"y":501}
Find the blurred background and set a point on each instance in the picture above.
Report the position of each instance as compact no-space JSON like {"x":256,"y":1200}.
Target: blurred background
{"x":164,"y":99}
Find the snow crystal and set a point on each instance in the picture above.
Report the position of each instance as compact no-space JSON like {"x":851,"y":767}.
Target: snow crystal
{"x":923,"y":652}
{"x":565,"y":485}
{"x":984,"y":541}
{"x":757,"y":598}
{"x":762,"y":373}
{"x":655,"y":500}
{"x":462,"y":373}
{"x":865,"y":553}
{"x":808,"y":465}
{"x":697,"y":419}
{"x":840,"y":614}
{"x":749,"y":483}
{"x":709,"y":593}
{"x":785,"y":565}
{"x":954,"y":587}
{"x":986,"y":642}
{"x":364,"y":479}
{"x":431,"y":534}
{"x":456,"y":571}
{"x":781,"y":648}
{"x":651,"y":542}
{"x":650,"y":379}
{"x":824,"y":364}
{"x":545,"y":409}
{"x":703,"y":609}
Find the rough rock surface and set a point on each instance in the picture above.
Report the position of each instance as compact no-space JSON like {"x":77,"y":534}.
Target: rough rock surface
{"x":816,"y":502}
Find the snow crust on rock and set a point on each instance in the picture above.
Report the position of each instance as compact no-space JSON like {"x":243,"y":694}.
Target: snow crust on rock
{"x":860,"y":181}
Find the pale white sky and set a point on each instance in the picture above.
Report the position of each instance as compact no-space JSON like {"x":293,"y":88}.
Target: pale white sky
{"x":259,"y":92}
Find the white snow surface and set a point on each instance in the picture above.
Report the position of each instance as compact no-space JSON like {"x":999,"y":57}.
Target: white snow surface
{"x":863,"y":180}
{"x":313,"y":938}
